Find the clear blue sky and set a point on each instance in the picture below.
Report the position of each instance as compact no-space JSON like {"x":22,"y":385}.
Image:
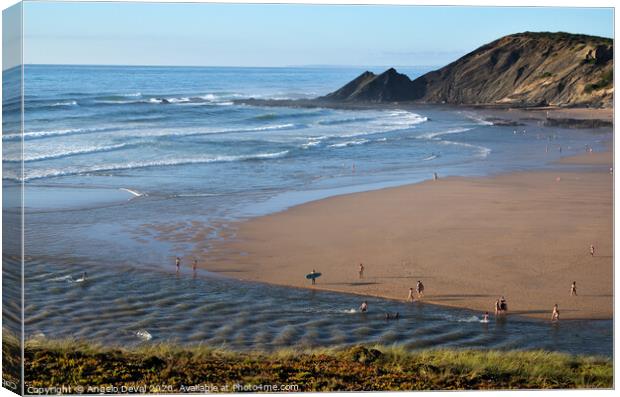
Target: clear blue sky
{"x":280,"y":35}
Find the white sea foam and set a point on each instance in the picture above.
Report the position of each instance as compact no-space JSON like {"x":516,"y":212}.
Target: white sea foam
{"x":47,"y":173}
{"x":68,"y":153}
{"x":47,"y":133}
{"x":66,"y":103}
{"x":478,"y":119}
{"x":482,"y":151}
{"x":431,"y":157}
{"x":178,"y":100}
{"x":431,"y":135}
{"x":133,"y":192}
{"x":350,"y":143}
{"x":144,"y":133}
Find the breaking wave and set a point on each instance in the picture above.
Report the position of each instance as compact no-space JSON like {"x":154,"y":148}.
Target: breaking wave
{"x":47,"y":173}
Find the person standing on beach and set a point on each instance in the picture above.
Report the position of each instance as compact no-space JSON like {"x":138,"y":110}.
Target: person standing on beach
{"x":178,"y":264}
{"x":555,"y":316}
{"x":573,"y":289}
{"x":497,"y":308}
{"x":410,"y":298}
{"x":313,"y":278}
{"x":591,"y":249}
{"x":503,"y":306}
{"x":361,"y":271}
{"x":419,"y":289}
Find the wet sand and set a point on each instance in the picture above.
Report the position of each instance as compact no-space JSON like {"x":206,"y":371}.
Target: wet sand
{"x":525,"y":236}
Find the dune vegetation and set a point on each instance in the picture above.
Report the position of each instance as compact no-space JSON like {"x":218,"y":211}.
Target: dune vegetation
{"x":85,"y":367}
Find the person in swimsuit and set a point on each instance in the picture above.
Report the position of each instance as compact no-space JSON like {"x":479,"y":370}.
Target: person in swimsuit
{"x":591,"y":249}
{"x":178,"y":264}
{"x":390,"y":316}
{"x":573,"y":289}
{"x":313,"y":278}
{"x":364,"y":307}
{"x":503,"y":306}
{"x":497,"y":308}
{"x":485,"y":317}
{"x":195,"y":266}
{"x":361,"y":272}
{"x":420,"y":289}
{"x":555,"y":316}
{"x":410,"y":298}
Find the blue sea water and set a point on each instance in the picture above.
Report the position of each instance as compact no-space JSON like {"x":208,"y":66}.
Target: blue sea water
{"x":110,"y":151}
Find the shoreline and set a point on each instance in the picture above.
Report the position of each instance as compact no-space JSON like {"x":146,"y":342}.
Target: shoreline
{"x":265,"y":265}
{"x":501,"y":115}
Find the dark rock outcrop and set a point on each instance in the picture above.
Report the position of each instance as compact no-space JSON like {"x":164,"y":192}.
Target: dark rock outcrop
{"x":389,"y":86}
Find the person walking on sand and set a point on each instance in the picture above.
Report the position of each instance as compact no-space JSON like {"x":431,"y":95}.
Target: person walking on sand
{"x":591,"y":249}
{"x":410,"y":298}
{"x":313,"y":278}
{"x":555,"y":316}
{"x":419,"y":289}
{"x":364,"y":307}
{"x":573,"y":289}
{"x":361,"y":271}
{"x":178,"y":264}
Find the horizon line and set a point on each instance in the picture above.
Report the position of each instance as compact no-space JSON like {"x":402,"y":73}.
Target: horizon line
{"x":316,"y":66}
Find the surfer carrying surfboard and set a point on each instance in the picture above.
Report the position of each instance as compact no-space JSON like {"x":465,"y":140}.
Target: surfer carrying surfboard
{"x":313,"y":276}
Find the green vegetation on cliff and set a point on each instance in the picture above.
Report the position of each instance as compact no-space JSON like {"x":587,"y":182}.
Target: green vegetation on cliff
{"x":166,"y":368}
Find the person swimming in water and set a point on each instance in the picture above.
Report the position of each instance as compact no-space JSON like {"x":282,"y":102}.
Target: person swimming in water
{"x":178,"y":264}
{"x":555,"y":315}
{"x":364,"y":307}
{"x":573,"y":289}
{"x":485,"y":317}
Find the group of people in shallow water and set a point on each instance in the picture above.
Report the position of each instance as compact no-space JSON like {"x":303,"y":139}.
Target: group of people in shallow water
{"x":178,"y":265}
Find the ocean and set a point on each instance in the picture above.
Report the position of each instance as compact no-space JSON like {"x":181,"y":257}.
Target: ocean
{"x":112,"y":153}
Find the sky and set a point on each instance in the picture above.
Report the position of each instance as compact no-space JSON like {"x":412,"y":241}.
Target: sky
{"x":280,"y":35}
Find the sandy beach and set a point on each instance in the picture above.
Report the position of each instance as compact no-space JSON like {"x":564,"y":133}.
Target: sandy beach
{"x":525,"y":236}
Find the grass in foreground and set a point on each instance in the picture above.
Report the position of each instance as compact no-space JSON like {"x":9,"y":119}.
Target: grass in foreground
{"x":177,"y":369}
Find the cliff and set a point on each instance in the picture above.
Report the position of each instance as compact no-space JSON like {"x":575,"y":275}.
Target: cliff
{"x":524,"y":69}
